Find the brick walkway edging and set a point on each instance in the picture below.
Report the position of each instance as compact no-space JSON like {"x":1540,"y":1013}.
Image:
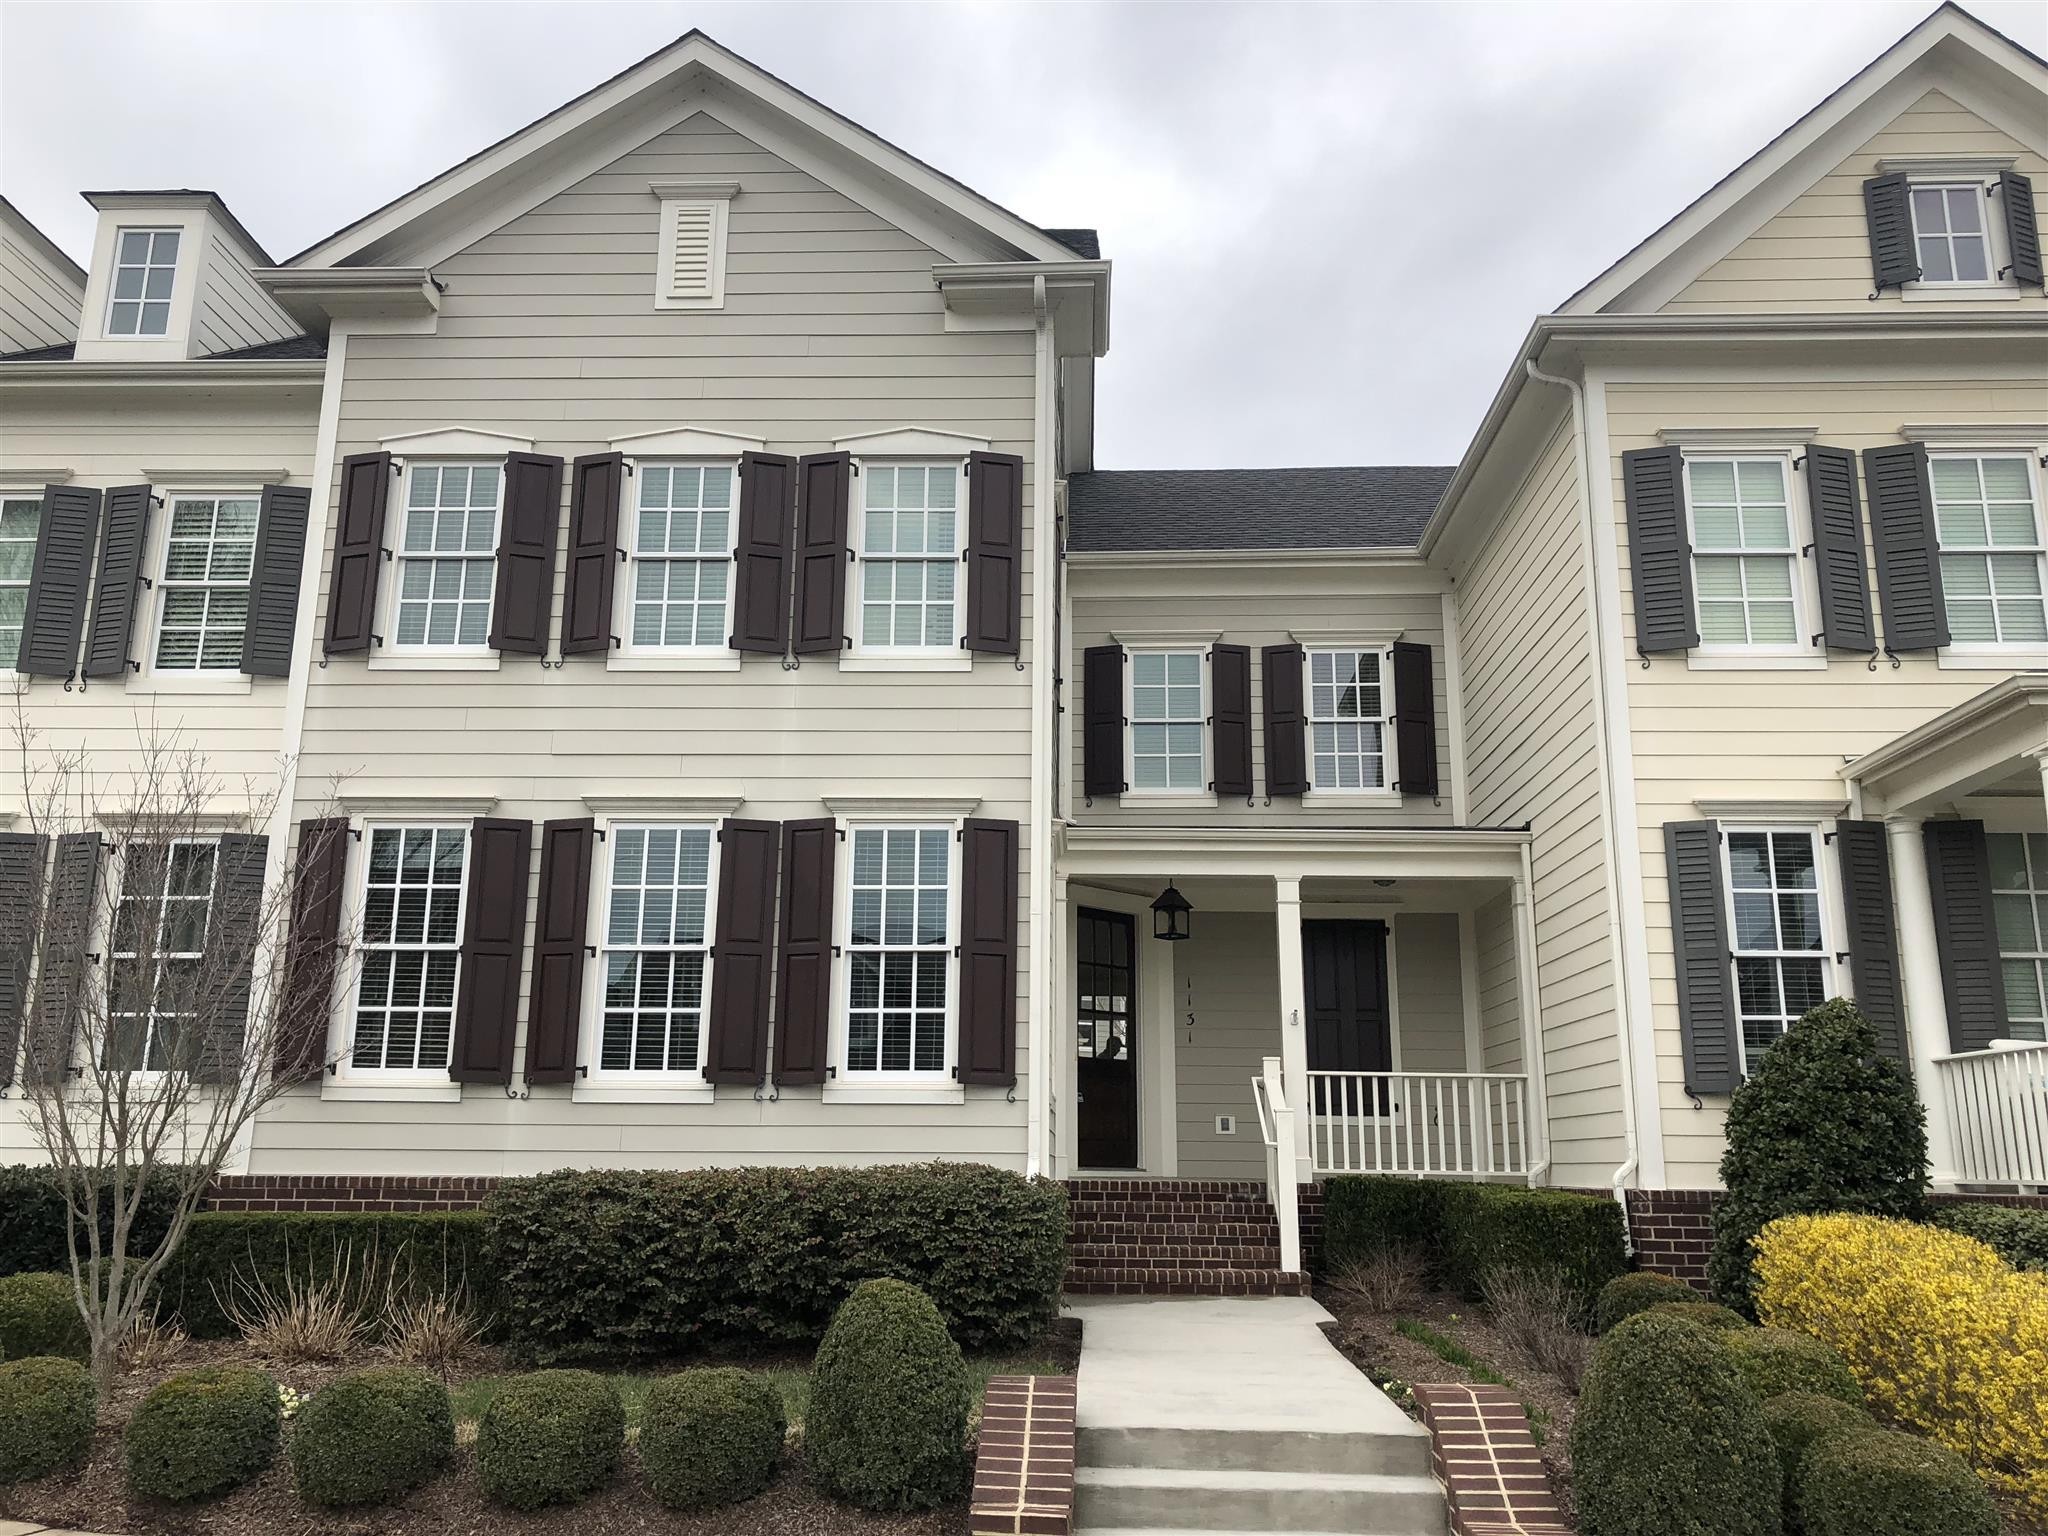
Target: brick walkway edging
{"x":1483,"y":1454}
{"x":1024,"y":1460}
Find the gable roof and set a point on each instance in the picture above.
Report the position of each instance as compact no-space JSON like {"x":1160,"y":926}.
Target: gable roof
{"x":1363,"y":507}
{"x":23,"y":226}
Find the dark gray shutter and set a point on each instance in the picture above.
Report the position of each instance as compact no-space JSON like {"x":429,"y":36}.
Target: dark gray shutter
{"x":1707,"y":1025}
{"x":1865,"y":860}
{"x":67,"y":536}
{"x":1659,"y":549}
{"x":1102,"y":720}
{"x":1893,"y":261}
{"x":1286,"y":720}
{"x":824,"y":492}
{"x":2022,"y":228}
{"x":594,"y":483}
{"x":312,"y":948}
{"x":742,"y":952}
{"x":995,"y":553}
{"x":67,"y":918}
{"x":803,"y":976}
{"x":1908,"y":551}
{"x":22,"y":857}
{"x":760,"y":585}
{"x":560,"y":931}
{"x":1230,"y":689}
{"x":123,"y":536}
{"x":358,"y":553}
{"x":1966,"y":932}
{"x":281,"y":527}
{"x":1838,"y":549}
{"x":1414,"y":719}
{"x":988,"y":953}
{"x":233,"y":927}
{"x":525,"y":599}
{"x":493,"y":939}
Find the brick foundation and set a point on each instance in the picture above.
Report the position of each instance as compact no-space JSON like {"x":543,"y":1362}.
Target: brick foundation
{"x":345,"y":1192}
{"x":1483,"y":1454}
{"x":1024,"y":1462}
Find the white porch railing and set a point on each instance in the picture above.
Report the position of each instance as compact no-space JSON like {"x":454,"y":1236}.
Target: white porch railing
{"x":1276,"y":1125}
{"x":1454,"y":1124}
{"x":1998,"y":1106}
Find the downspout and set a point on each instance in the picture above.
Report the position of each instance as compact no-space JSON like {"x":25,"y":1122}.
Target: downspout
{"x":1044,"y":472}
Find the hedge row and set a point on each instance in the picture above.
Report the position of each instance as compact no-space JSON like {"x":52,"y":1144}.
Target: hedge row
{"x":32,"y":1219}
{"x":2016,"y":1235}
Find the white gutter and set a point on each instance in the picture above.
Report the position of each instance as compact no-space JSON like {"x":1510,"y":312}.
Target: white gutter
{"x":1044,"y":555}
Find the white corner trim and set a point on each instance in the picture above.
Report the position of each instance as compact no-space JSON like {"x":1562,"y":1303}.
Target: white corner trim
{"x":25,"y":473}
{"x":1738,"y":437}
{"x":695,"y":189}
{"x":1976,"y":434}
{"x":1154,"y":639}
{"x":428,"y":805}
{"x":457,"y":440}
{"x":1361,"y":635}
{"x":687,"y":442}
{"x":240,"y":480}
{"x":910,"y":807}
{"x":713,"y":803}
{"x":1946,"y":165}
{"x":1771,"y":810}
{"x":911,"y":440}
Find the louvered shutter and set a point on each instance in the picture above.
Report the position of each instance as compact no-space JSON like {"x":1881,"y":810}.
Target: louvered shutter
{"x":1286,"y":720}
{"x":742,"y":958}
{"x":594,"y":485}
{"x":995,"y":553}
{"x":1893,"y":261}
{"x":493,"y":937}
{"x":22,"y":858}
{"x":67,"y":924}
{"x":281,"y":526}
{"x":760,"y":613}
{"x":1414,"y":719}
{"x":1102,"y":720}
{"x":312,"y":949}
{"x":1707,"y":1024}
{"x":1908,"y":550}
{"x":1966,"y":932}
{"x":988,"y":953}
{"x":358,"y":553}
{"x":1659,"y":549}
{"x":233,"y":930}
{"x":1865,"y":860}
{"x":1230,"y":687}
{"x":2022,"y":228}
{"x":824,"y":493}
{"x":803,"y":984}
{"x":560,"y":932}
{"x":68,"y":535}
{"x":525,"y":598}
{"x":1838,"y":549}
{"x":124,"y":534}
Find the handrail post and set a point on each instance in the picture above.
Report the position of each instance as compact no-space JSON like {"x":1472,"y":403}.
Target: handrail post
{"x":1282,"y":1180}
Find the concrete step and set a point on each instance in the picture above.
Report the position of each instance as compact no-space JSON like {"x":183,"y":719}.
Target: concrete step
{"x":1365,"y":1504}
{"x":1254,"y":1450}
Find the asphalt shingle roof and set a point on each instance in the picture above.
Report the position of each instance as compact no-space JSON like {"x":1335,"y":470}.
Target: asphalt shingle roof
{"x":292,"y":349}
{"x":1084,"y":243}
{"x":1369,"y":507}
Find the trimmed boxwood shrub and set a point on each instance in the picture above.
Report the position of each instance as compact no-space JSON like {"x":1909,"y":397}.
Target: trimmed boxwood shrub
{"x":1799,"y":1420}
{"x":1625,"y":1296}
{"x":1883,"y":1483}
{"x":711,"y":1437}
{"x":202,"y":1432}
{"x":550,"y":1438}
{"x":371,"y":1437}
{"x":1670,"y":1441}
{"x":1704,"y":1314}
{"x":47,"y":1409}
{"x":2016,"y":1235}
{"x":1467,"y":1229}
{"x":32,"y":1218}
{"x":1778,"y":1360}
{"x":887,"y":1424}
{"x":39,"y":1316}
{"x":613,"y":1265}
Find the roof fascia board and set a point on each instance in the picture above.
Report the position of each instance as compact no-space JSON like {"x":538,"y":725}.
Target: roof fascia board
{"x":253,"y":254}
{"x":45,"y":247}
{"x":219,"y":374}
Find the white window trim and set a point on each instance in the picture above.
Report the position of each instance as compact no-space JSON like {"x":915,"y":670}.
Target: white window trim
{"x":950,"y":657}
{"x":694,"y":194}
{"x":628,"y":657}
{"x":1386,"y":794}
{"x":1996,"y":256}
{"x":115,"y":861}
{"x":35,"y":494}
{"x":1827,"y":875}
{"x":153,"y":679}
{"x":1995,"y":656}
{"x":1204,"y":793}
{"x":1993,"y":829}
{"x":392,"y":655}
{"x":1803,"y":652}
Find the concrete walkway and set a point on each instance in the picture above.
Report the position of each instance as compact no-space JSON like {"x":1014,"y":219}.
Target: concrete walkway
{"x":30,"y":1528}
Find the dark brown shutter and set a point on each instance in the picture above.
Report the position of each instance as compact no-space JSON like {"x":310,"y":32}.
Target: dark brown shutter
{"x":68,"y":534}
{"x":281,"y":526}
{"x":1102,"y":720}
{"x":493,"y":937}
{"x":742,"y":952}
{"x":358,"y":553}
{"x":1908,"y":552}
{"x":1414,"y":719}
{"x":988,"y":953}
{"x":1707,"y":1027}
{"x":803,"y":976}
{"x":594,"y":484}
{"x":1966,"y":932}
{"x":22,"y":857}
{"x":1230,"y":687}
{"x":1865,"y":859}
{"x":312,"y":948}
{"x":1838,"y":549}
{"x":760,"y":596}
{"x":124,"y":534}
{"x":1659,"y":549}
{"x":560,"y":932}
{"x":525,"y":598}
{"x":67,"y":916}
{"x":995,"y":553}
{"x":232,"y":931}
{"x":824,"y":493}
{"x":2022,"y":229}
{"x":1893,"y":261}
{"x":1286,"y":720}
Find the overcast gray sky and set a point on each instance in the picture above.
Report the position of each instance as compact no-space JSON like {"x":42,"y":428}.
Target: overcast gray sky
{"x":1331,"y":224}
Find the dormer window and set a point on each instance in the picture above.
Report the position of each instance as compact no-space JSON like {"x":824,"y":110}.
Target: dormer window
{"x":1950,"y":233}
{"x":145,"y":266}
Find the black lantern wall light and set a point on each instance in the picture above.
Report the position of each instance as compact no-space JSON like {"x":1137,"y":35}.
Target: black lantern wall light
{"x":1170,"y":915}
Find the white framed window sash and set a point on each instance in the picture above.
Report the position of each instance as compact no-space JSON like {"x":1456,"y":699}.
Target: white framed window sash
{"x":2001,"y":653}
{"x":857,"y":568}
{"x":154,"y":676}
{"x":390,"y":589}
{"x":150,"y":1015}
{"x":1203,"y":720}
{"x":1805,"y":594}
{"x":1937,"y":235}
{"x":2022,"y":949}
{"x":1389,"y":743}
{"x":1831,"y":954}
{"x":626,"y":590}
{"x":23,"y":550}
{"x":131,"y":307}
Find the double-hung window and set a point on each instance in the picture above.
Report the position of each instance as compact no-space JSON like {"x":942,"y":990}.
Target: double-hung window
{"x":1168,"y":737}
{"x":2019,"y":883}
{"x":655,"y":957}
{"x":1350,"y":705}
{"x":156,"y":981}
{"x":1988,"y":520}
{"x":20,"y":516}
{"x":1951,"y":235}
{"x":1745,"y":559}
{"x":682,"y":556}
{"x":208,"y":554}
{"x":909,"y":548}
{"x":145,"y":268}
{"x":1777,"y":930}
{"x":413,"y":895}
{"x":899,"y":953}
{"x":448,"y":556}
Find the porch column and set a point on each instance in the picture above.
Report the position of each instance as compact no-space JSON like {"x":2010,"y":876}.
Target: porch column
{"x":1920,"y":978}
{"x":1293,"y":1004}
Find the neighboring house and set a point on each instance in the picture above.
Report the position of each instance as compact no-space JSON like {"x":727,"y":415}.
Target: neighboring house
{"x":738,"y":724}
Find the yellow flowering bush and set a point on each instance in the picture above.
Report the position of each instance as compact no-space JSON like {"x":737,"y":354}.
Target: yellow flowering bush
{"x":1946,"y":1338}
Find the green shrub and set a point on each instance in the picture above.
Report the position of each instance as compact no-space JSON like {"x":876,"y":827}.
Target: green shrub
{"x":39,"y":1316}
{"x":1883,"y":1483}
{"x":1669,"y":1440}
{"x":550,"y":1438}
{"x":1777,"y":1360}
{"x":32,"y":1218}
{"x":2018,"y":1236}
{"x":621,"y":1265}
{"x":371,"y":1437}
{"x":47,"y":1409}
{"x":202,"y":1432}
{"x":709,"y":1438}
{"x":1797,"y":1420}
{"x":1705,"y":1314}
{"x":887,"y":1424}
{"x":1824,"y":1123}
{"x":1627,"y":1295}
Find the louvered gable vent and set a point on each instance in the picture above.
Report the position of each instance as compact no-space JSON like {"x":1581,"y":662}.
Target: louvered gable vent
{"x":690,"y":232}
{"x":691,"y":252}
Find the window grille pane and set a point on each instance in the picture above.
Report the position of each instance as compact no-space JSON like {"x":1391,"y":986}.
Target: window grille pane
{"x":405,"y":997}
{"x":1991,"y":561}
{"x":899,"y":955}
{"x":449,"y":555}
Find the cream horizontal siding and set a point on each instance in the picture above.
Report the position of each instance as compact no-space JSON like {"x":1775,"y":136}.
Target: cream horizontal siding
{"x":232,"y":311}
{"x":1500,"y":1001}
{"x":39,"y":302}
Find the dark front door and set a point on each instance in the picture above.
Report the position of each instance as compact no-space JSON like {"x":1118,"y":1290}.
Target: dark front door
{"x":1106,"y":976}
{"x":1344,"y":966}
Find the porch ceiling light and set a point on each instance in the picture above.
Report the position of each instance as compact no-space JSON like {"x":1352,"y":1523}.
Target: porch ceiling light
{"x":1170,"y":915}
